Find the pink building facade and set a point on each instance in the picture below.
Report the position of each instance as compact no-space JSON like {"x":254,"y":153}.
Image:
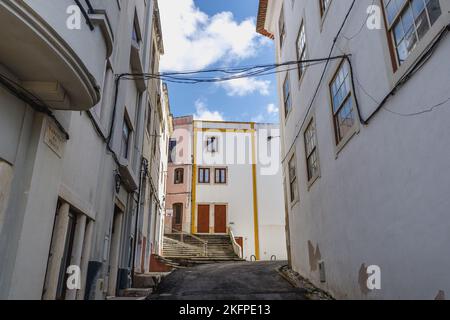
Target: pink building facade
{"x":179,"y":177}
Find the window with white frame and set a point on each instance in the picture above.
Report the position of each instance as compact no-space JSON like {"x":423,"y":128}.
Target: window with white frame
{"x":282,"y":27}
{"x":172,"y":150}
{"x":204,"y":175}
{"x":292,"y":179}
{"x":220,"y":175}
{"x":312,"y":159}
{"x":126,"y":137}
{"x":408,"y":22}
{"x":178,"y":176}
{"x":212,"y":144}
{"x":287,"y":95}
{"x":301,"y":50}
{"x":342,"y":103}
{"x":324,"y":4}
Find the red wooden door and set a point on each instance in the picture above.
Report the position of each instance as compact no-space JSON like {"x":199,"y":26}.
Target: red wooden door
{"x":220,"y":219}
{"x":203,"y":219}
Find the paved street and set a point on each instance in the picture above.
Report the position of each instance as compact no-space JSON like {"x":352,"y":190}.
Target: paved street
{"x":230,"y":281}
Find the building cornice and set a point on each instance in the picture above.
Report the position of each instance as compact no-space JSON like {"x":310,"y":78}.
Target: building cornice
{"x":261,"y":20}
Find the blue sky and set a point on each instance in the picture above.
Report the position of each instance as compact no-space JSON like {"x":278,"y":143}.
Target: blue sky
{"x":202,"y":34}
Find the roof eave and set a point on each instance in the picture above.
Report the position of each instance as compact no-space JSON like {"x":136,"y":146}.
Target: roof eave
{"x":261,"y":20}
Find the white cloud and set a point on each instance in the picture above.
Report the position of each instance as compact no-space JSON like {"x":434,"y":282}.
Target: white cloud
{"x":194,"y":40}
{"x":203,"y":113}
{"x":270,"y":114}
{"x":245,"y":86}
{"x":259,"y":118}
{"x":272,"y":109}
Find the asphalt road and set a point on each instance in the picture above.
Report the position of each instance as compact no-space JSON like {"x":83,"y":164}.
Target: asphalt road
{"x":228,"y":281}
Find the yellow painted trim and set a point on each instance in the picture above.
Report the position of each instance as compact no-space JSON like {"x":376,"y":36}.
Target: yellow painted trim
{"x":223,"y":130}
{"x":194,"y":183}
{"x":255,"y":195}
{"x":224,"y":122}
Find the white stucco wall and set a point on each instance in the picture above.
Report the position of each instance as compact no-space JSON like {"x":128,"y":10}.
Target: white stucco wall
{"x":382,"y":200}
{"x":82,"y":173}
{"x":235,"y":153}
{"x":270,"y":194}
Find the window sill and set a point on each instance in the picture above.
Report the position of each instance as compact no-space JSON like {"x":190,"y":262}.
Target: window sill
{"x":294,"y":203}
{"x":300,"y":78}
{"x":286,"y":117}
{"x":346,"y":140}
{"x":422,"y":45}
{"x":313,"y":181}
{"x":324,"y":16}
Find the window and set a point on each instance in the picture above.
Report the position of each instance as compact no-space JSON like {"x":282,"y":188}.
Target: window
{"x":287,"y":96}
{"x":203,"y":175}
{"x":312,"y":160}
{"x":153,"y":55}
{"x":301,"y":50}
{"x":342,"y":103}
{"x":212,"y":144}
{"x":135,"y":34}
{"x":172,"y":150}
{"x":178,"y":176}
{"x":282,"y":27}
{"x":178,"y":213}
{"x":126,"y":133}
{"x":155,"y":142}
{"x":220,"y":176}
{"x":408,"y":22}
{"x":324,"y":4}
{"x":292,"y":179}
{"x":149,"y":118}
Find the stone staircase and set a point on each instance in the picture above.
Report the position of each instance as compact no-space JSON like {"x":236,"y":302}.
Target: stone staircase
{"x":144,"y":285}
{"x":176,"y":248}
{"x":191,"y":251}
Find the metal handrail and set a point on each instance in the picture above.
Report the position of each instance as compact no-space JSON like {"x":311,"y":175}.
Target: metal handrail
{"x":204,"y":243}
{"x":236,"y":246}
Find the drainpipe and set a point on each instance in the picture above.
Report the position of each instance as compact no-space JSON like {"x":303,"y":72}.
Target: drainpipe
{"x":143,"y":174}
{"x":144,"y":163}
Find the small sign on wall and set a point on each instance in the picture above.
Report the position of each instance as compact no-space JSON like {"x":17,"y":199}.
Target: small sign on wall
{"x":54,"y":139}
{"x":169,"y":212}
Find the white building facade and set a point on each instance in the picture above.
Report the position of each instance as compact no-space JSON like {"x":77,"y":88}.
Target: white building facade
{"x":365,"y":145}
{"x":237,"y":186}
{"x":71,"y":137}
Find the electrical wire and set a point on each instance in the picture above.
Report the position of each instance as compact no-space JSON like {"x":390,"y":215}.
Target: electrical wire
{"x":320,"y":82}
{"x":232,"y":73}
{"x":349,"y":38}
{"x":422,"y":60}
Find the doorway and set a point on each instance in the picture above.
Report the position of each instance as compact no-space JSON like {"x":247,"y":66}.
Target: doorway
{"x":65,"y":261}
{"x":220,"y":218}
{"x":203,"y":218}
{"x":177,"y":224}
{"x":114,"y":251}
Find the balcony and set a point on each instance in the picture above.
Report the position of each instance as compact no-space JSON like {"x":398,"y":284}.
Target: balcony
{"x":43,"y":61}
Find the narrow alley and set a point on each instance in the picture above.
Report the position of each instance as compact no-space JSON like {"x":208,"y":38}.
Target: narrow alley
{"x":228,"y":281}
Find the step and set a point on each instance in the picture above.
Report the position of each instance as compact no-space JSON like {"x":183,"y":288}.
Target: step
{"x":136,"y":292}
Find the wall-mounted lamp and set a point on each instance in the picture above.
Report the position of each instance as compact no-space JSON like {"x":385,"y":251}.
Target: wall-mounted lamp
{"x":145,"y":167}
{"x":270,"y":138}
{"x":118,"y":181}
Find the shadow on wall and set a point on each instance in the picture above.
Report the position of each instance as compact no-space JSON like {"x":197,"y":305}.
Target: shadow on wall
{"x":314,"y":256}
